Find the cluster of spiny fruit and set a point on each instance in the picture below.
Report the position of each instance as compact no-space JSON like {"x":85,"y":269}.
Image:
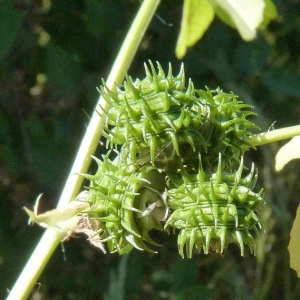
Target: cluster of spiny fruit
{"x":179,"y":165}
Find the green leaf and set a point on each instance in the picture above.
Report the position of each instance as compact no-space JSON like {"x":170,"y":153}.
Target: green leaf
{"x":10,"y":24}
{"x":270,"y":13}
{"x":294,"y":245}
{"x":104,"y":11}
{"x":64,"y":70}
{"x":257,"y":54}
{"x":282,"y":82}
{"x":197,"y":16}
{"x":288,"y":152}
{"x":244,"y":15}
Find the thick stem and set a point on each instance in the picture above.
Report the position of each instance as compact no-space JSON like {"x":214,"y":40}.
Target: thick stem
{"x":116,"y":76}
{"x":274,"y":135}
{"x":35,"y":265}
{"x":52,"y":238}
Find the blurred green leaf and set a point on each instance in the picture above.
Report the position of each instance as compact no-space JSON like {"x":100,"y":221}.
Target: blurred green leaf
{"x":294,"y":245}
{"x":49,"y":152}
{"x":288,"y":152}
{"x":184,"y":274}
{"x":197,"y":16}
{"x":8,"y":153}
{"x":117,"y":281}
{"x":282,"y":82}
{"x":96,"y":11}
{"x":64,"y":70}
{"x":134,"y":278}
{"x":10,"y":23}
{"x":99,"y":15}
{"x":4,"y":129}
{"x":270,"y":13}
{"x":161,"y":279}
{"x":244,"y":15}
{"x":257,"y":54}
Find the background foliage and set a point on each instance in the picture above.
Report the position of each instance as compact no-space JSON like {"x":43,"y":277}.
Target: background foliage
{"x":52,"y":56}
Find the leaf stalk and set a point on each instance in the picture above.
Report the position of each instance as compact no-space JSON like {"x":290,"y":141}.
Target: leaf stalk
{"x":274,"y":135}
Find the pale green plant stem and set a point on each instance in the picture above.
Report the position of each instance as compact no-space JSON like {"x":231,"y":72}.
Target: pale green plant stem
{"x":274,"y":135}
{"x":52,"y":237}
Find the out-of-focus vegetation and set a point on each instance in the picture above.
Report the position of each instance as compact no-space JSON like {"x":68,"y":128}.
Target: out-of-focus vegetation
{"x":52,"y":56}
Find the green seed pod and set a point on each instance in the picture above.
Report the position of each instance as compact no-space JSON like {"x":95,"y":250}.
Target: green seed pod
{"x":226,"y":128}
{"x":149,"y":114}
{"x":171,"y":139}
{"x":115,"y":197}
{"x":213,"y":210}
{"x":158,"y":114}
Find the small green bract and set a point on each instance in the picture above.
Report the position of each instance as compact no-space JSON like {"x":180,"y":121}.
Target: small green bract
{"x":179,"y":165}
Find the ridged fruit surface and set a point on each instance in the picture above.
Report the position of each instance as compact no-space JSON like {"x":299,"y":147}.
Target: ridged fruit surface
{"x":179,"y":166}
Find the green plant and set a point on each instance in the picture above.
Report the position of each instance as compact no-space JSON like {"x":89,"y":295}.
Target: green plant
{"x":183,"y":144}
{"x":159,"y":155}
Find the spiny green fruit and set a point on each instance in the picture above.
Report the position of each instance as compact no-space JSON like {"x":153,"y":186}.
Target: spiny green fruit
{"x":170,"y":140}
{"x":159,"y":113}
{"x":127,"y":204}
{"x":212,"y":210}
